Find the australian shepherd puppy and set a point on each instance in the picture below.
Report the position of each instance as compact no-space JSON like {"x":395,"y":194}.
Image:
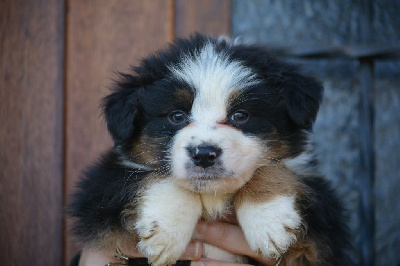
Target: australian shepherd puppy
{"x":206,"y":128}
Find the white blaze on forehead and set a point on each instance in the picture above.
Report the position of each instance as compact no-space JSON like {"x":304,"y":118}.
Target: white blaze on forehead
{"x":214,"y":76}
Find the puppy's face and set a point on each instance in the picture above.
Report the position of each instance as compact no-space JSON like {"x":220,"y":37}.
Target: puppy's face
{"x":207,"y":113}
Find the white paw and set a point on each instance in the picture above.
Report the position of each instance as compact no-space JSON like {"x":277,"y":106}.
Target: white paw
{"x":269,"y":227}
{"x":161,"y":244}
{"x":166,"y":221}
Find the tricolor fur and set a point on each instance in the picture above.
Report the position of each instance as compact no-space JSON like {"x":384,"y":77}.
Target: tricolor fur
{"x":204,"y":129}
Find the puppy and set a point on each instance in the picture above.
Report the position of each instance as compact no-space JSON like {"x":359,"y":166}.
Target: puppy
{"x":206,"y":128}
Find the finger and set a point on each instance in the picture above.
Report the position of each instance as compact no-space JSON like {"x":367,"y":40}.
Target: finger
{"x":96,"y":257}
{"x":226,"y":236}
{"x":193,"y":251}
{"x":230,"y":238}
{"x":209,"y":262}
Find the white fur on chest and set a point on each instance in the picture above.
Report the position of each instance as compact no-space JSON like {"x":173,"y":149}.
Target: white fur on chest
{"x":167,"y":219}
{"x":216,"y":206}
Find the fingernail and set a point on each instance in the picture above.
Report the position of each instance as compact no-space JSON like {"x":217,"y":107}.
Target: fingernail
{"x":194,"y":251}
{"x":197,"y":249}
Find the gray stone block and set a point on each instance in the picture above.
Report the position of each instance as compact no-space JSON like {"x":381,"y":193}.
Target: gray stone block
{"x":314,"y":23}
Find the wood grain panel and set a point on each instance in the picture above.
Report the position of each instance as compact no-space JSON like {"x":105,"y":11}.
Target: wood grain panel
{"x":103,"y":36}
{"x":204,"y":16}
{"x":31,"y":92}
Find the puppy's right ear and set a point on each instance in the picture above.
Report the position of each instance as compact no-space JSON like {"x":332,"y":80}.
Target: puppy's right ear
{"x":120,"y":109}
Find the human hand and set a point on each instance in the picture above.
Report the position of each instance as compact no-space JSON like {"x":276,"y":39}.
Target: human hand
{"x":228,"y":237}
{"x":223,"y":235}
{"x":90,"y":257}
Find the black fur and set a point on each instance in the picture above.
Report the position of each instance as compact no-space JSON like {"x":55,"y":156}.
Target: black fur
{"x":325,"y":216}
{"x":101,"y":197}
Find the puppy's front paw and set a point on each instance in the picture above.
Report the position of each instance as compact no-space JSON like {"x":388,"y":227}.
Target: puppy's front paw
{"x":166,"y":220}
{"x":162,"y":245}
{"x":270,"y":227}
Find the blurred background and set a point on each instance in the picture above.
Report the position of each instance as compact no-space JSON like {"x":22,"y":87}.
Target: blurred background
{"x":58,"y":58}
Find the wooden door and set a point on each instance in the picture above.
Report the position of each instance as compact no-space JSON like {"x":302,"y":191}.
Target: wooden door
{"x":58,"y":58}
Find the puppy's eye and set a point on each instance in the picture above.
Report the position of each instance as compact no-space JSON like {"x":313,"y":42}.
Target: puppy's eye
{"x":239,"y":117}
{"x":177,"y":117}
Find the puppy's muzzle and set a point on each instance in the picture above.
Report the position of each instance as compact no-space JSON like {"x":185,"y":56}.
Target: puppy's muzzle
{"x":204,"y":156}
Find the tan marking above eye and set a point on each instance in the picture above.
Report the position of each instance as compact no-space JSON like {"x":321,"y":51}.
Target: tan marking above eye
{"x":184,"y":94}
{"x":234,"y":95}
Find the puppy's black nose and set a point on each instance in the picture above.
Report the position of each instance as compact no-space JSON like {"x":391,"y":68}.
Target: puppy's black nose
{"x":205,"y":156}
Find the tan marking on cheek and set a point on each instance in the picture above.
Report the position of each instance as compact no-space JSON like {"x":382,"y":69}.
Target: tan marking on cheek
{"x":278,"y":151}
{"x":145,"y":151}
{"x":275,"y":149}
{"x":267,"y":183}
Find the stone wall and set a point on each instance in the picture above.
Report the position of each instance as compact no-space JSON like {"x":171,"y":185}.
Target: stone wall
{"x":337,"y":129}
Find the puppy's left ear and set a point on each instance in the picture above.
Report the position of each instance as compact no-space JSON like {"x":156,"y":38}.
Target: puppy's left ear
{"x":303,"y":96}
{"x":120,"y":109}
